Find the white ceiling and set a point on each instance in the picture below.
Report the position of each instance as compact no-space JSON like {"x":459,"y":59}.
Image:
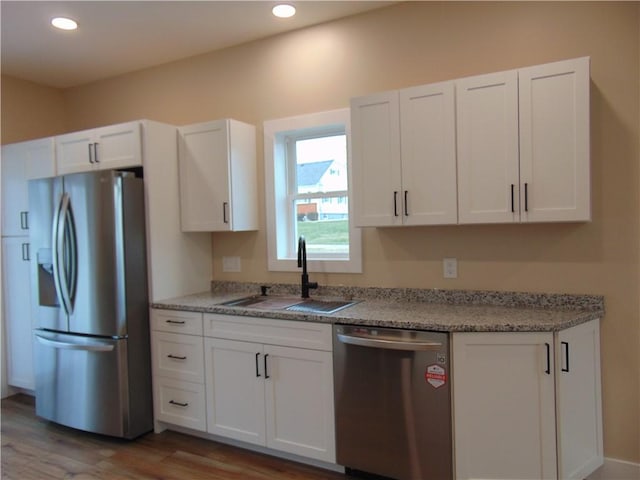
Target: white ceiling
{"x":116,"y":37}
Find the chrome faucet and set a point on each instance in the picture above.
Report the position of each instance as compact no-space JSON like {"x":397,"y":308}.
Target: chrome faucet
{"x":302,"y":263}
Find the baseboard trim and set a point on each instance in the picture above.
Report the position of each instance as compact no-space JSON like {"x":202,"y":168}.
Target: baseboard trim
{"x":614,"y":468}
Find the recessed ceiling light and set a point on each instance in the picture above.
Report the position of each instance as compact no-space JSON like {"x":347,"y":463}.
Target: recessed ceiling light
{"x":64,"y":23}
{"x":284,"y":10}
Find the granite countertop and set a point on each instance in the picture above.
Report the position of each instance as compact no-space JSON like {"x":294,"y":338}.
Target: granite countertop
{"x":437,"y":310}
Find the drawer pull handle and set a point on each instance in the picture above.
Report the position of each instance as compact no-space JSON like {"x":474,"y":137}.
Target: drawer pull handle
{"x":175,"y":322}
{"x":178,"y":404}
{"x":176,"y":357}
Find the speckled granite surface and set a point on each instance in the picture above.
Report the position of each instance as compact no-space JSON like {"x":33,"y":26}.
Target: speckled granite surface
{"x":438,"y":310}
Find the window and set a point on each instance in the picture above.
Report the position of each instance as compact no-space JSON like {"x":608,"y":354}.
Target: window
{"x":307,"y":186}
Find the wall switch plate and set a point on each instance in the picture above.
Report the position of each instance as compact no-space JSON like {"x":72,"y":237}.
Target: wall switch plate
{"x":231,"y":264}
{"x":450,"y":267}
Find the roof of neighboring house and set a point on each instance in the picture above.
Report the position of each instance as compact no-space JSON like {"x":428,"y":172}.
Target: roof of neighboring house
{"x":311,"y":173}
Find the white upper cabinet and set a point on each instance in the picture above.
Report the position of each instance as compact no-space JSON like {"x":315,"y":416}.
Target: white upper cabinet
{"x":115,"y":146}
{"x":554,"y":142}
{"x":375,"y":138}
{"x":523,"y":145}
{"x":218,"y":180}
{"x":21,"y":162}
{"x":519,"y":140}
{"x":404,"y":160}
{"x":487,"y":120}
{"x":15,"y":198}
{"x":428,"y":151}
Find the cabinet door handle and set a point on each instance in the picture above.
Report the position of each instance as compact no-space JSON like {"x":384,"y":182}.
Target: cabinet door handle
{"x":175,"y":322}
{"x":395,"y":203}
{"x":266,"y":372}
{"x":90,"y":153}
{"x":225,"y":206}
{"x":178,"y":404}
{"x":24,"y":220}
{"x":406,"y":204}
{"x":526,"y":197}
{"x":257,"y":368}
{"x":176,"y":357}
{"x":548,"y":369}
{"x":513,"y":206}
{"x":95,"y":153}
{"x":25,"y":252}
{"x":566,"y":356}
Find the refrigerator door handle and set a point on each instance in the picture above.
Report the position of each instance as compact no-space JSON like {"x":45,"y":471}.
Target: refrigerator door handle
{"x":87,"y":347}
{"x":64,"y":254}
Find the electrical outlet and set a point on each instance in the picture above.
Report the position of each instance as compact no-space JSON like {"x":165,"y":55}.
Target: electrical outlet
{"x":450,"y":267}
{"x":231,"y":264}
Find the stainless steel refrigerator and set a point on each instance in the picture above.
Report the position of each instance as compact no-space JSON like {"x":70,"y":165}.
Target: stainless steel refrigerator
{"x":92,"y":353}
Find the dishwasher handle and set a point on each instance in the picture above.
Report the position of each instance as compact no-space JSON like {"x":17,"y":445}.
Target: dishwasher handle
{"x":373,"y":342}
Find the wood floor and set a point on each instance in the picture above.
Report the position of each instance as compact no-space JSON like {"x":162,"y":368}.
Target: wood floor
{"x":36,"y":449}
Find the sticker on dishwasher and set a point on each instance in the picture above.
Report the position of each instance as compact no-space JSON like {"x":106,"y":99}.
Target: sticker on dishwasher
{"x":435,"y":375}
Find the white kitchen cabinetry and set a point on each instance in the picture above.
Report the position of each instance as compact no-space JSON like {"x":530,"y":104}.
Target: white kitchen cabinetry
{"x":404,"y":160}
{"x":511,"y":402}
{"x":218,"y":177}
{"x":554,"y":142}
{"x":523,"y":144}
{"x":17,"y":311}
{"x":487,"y":119}
{"x":115,"y":146}
{"x":579,"y":400}
{"x":262,"y":388}
{"x":21,"y":162}
{"x":178,"y":368}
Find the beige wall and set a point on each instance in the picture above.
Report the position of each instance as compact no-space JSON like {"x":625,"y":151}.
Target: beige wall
{"x":30,"y":110}
{"x":320,"y":68}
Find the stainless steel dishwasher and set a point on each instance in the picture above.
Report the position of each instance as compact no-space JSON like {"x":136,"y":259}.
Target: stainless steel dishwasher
{"x":393,"y":402}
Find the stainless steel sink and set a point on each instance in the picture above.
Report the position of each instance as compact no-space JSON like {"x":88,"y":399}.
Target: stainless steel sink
{"x":292,"y":304}
{"x":320,"y":306}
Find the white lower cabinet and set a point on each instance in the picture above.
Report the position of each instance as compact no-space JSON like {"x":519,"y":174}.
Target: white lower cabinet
{"x":260,"y":381}
{"x":518,"y":413}
{"x":273,"y":395}
{"x":178,"y":368}
{"x":17,"y":314}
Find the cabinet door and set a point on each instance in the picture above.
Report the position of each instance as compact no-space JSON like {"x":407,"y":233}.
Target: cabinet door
{"x":40,"y":157}
{"x":487,"y":121}
{"x":554,"y":142}
{"x":204,"y":177}
{"x":578,"y":398}
{"x":118,"y":146}
{"x":504,"y":405}
{"x":17,"y":311}
{"x":299,"y":402}
{"x":375,"y":139}
{"x":15,"y":197}
{"x":428,"y":139}
{"x":74,"y":152}
{"x":235,"y":389}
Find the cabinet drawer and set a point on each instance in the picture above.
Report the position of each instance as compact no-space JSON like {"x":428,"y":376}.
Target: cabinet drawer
{"x":180,"y":403}
{"x":311,"y":335}
{"x":178,"y":356}
{"x":176,"y":321}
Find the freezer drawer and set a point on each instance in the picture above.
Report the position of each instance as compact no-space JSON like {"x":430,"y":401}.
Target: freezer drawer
{"x":85,"y":383}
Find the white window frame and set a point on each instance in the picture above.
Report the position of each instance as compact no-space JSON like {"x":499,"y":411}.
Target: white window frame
{"x":282,"y":256}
